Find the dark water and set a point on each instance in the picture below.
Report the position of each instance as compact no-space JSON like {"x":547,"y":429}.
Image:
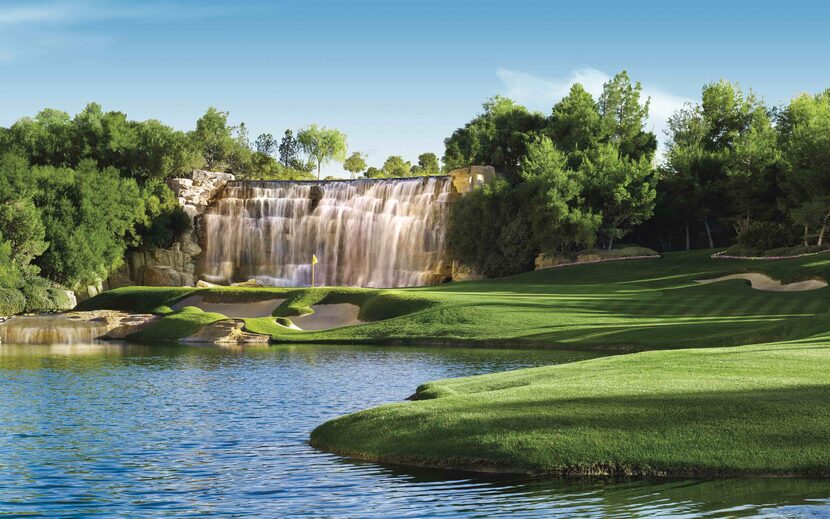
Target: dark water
{"x":117,"y":430}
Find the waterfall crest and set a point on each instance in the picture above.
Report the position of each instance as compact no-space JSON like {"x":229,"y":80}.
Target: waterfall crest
{"x":367,"y":232}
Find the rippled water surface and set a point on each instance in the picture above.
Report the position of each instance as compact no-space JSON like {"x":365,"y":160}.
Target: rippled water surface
{"x":166,"y":431}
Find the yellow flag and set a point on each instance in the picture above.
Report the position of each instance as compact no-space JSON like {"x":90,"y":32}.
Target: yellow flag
{"x":313,"y":259}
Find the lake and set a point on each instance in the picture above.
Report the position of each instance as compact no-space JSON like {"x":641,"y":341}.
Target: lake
{"x":179,"y":431}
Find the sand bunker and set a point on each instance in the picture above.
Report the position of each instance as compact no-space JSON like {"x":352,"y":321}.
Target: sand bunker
{"x":245,"y":309}
{"x":329,"y":316}
{"x":764,"y":282}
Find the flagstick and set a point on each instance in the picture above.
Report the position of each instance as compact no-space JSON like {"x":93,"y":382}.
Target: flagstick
{"x":312,"y":274}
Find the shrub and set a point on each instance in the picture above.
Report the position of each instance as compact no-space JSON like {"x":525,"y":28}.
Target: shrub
{"x":11,"y":301}
{"x":42,"y":296}
{"x":761,"y":236}
{"x":60,"y":298}
{"x":490,"y":232}
{"x":37,"y":297}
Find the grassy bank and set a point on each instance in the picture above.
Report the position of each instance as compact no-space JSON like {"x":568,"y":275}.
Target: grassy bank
{"x":753,"y":409}
{"x":628,"y":305}
{"x":749,"y":410}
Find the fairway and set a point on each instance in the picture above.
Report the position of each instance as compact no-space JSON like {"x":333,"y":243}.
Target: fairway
{"x":748,"y":410}
{"x":622,"y":306}
{"x":717,"y":379}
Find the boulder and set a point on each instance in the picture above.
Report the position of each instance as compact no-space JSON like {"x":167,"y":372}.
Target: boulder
{"x":162,"y":276}
{"x":250,"y":283}
{"x":461,"y":272}
{"x":118,"y":324}
{"x":226,"y":331}
{"x":471,"y":178}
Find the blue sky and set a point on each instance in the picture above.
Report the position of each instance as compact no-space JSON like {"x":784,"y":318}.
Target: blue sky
{"x":396,"y":77}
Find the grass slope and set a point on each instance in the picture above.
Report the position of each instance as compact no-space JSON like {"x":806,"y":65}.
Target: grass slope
{"x":629,"y":305}
{"x":757,"y":409}
{"x":749,"y":410}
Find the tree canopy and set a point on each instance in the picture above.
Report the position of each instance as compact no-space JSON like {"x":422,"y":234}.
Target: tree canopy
{"x":322,"y":144}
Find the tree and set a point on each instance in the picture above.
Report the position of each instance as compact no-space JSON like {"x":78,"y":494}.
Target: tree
{"x":552,"y":194}
{"x":213,"y":137}
{"x":575,"y":124}
{"x":322,"y":144}
{"x":373,"y":172}
{"x":619,"y":188}
{"x":266,"y":144}
{"x":90,"y":218}
{"x":395,"y":166}
{"x":289,"y":149}
{"x":490,"y":232}
{"x":355,"y":164}
{"x":498,"y":137}
{"x":623,"y":117}
{"x":723,"y":154}
{"x":804,"y":133}
{"x":428,"y":164}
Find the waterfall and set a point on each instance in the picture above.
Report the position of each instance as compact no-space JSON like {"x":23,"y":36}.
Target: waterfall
{"x":368,"y":233}
{"x":51,"y":329}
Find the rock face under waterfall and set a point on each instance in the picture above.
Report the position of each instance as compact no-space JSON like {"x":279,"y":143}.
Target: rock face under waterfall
{"x":367,"y":232}
{"x":175,"y":266}
{"x":378,"y":232}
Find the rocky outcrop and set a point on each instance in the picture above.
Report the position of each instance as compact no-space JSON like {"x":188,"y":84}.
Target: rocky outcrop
{"x":226,"y":331}
{"x":117,"y":324}
{"x":175,"y":266}
{"x":471,"y":178}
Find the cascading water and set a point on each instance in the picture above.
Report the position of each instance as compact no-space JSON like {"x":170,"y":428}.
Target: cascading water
{"x":50,"y":329}
{"x":370,"y":233}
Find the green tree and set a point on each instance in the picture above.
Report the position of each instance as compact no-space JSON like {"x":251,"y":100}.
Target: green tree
{"x":266,"y":144}
{"x":489,"y":230}
{"x":619,"y":188}
{"x":90,"y":218}
{"x":213,"y":138}
{"x":289,"y":149}
{"x":373,"y":172}
{"x":427,"y":165}
{"x":623,"y":117}
{"x":575,"y":124}
{"x":322,"y":144}
{"x":395,"y":166}
{"x":498,"y":137}
{"x":804,"y":133}
{"x":553,"y":196}
{"x":355,"y":164}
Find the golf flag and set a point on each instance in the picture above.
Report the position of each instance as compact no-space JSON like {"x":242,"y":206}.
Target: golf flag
{"x":313,"y":259}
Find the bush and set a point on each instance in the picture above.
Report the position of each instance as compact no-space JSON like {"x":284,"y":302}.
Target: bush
{"x":489,"y":231}
{"x":43,"y":296}
{"x":11,"y":301}
{"x":37,"y":297}
{"x":60,"y":298}
{"x":761,"y":236}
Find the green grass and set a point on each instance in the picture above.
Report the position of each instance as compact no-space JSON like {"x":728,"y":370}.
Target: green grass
{"x":758,"y":407}
{"x":749,"y":410}
{"x":628,"y":306}
{"x":176,"y":325}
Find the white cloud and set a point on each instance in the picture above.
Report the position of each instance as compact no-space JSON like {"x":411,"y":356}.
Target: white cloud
{"x":541,"y":93}
{"x":28,"y":14}
{"x":17,"y":15}
{"x":33,"y":29}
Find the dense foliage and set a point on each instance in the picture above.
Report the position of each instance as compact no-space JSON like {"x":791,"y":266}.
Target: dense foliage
{"x":579,"y":177}
{"x":77,"y":192}
{"x":734,"y":171}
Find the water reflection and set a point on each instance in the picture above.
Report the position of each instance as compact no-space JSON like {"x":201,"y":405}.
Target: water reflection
{"x":119,"y":429}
